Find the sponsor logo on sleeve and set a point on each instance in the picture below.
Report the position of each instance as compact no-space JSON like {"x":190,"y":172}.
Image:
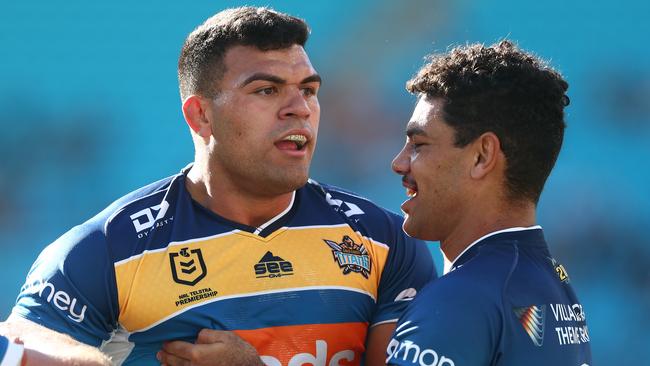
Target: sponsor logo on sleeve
{"x":188,"y":267}
{"x":146,"y":219}
{"x":350,"y":256}
{"x":532,"y":318}
{"x":409,"y":351}
{"x":574,"y":333}
{"x":59,"y":298}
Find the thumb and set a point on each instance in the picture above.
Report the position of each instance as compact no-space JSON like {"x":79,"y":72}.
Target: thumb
{"x":207,"y":336}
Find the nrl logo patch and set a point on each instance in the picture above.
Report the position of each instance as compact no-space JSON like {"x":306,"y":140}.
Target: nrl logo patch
{"x":350,"y":256}
{"x":188,"y":267}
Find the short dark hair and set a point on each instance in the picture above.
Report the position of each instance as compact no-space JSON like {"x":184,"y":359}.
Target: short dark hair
{"x":200,"y":64}
{"x":509,"y":92}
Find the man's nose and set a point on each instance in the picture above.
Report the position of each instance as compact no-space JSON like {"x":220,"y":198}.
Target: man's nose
{"x":296,"y":106}
{"x":401,"y":162}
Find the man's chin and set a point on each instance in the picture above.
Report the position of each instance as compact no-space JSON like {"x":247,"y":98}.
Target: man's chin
{"x":295,"y":180}
{"x":416,"y":229}
{"x":408,"y":226}
{"x":285,"y":185}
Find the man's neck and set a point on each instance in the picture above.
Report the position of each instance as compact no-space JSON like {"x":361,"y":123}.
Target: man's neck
{"x":228,"y":200}
{"x":483,"y":222}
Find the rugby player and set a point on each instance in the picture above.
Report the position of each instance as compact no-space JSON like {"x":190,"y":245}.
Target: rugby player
{"x":485,"y":133}
{"x":241,"y":240}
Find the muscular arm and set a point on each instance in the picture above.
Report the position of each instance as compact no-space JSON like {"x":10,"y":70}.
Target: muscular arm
{"x":376,"y":344}
{"x":44,"y":346}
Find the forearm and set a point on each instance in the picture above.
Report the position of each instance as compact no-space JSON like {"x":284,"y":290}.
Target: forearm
{"x":44,"y":346}
{"x":67,"y":355}
{"x":376,"y":344}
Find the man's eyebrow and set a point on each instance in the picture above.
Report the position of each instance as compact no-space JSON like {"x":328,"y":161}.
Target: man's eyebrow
{"x":262,"y":76}
{"x":312,"y":79}
{"x":412,"y":130}
{"x":276,"y":79}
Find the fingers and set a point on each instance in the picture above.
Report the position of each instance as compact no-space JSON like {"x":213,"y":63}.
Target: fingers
{"x":212,"y":347}
{"x":207,"y":336}
{"x":183,"y":353}
{"x":180,"y":349}
{"x":167,"y":359}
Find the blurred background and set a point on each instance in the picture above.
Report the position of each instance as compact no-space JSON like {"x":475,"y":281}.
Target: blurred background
{"x":89,"y":110}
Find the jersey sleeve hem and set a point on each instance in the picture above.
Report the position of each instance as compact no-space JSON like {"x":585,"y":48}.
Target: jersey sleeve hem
{"x":13,"y":355}
{"x":21,"y":312}
{"x":384,"y":322}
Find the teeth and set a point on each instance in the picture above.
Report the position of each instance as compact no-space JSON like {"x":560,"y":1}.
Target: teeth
{"x":300,"y":140}
{"x":411,"y":192}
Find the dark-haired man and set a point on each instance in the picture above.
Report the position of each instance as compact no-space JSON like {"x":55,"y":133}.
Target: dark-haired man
{"x":483,"y":138}
{"x":240,"y":240}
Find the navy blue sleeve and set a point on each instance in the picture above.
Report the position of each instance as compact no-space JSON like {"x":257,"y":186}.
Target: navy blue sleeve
{"x":4,"y":344}
{"x":71,"y":287}
{"x":408,"y":268}
{"x":449,"y":323}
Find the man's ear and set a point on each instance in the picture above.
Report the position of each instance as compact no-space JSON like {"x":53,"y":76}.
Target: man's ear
{"x":487,"y":152}
{"x":195,"y":113}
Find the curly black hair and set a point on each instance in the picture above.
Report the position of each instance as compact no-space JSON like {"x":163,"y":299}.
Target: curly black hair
{"x":200,"y":65}
{"x":509,"y":92}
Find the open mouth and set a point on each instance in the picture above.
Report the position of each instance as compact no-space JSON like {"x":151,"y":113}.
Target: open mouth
{"x":411,"y":192}
{"x":292,"y":142}
{"x":411,"y":187}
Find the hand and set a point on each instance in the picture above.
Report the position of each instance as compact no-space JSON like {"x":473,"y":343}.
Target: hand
{"x":212,"y":348}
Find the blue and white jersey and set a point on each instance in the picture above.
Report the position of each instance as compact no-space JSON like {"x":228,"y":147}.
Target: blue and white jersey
{"x":505,"y":302}
{"x":157,"y":266}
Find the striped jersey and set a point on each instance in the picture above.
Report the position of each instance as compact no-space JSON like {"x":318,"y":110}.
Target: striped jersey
{"x":156,"y":266}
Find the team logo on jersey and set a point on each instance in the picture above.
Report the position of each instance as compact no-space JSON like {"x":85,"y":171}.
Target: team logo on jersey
{"x":350,"y":256}
{"x":533,"y":318}
{"x":272,"y":266}
{"x":188,"y":267}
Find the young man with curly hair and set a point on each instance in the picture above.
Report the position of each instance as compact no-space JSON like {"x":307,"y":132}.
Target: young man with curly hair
{"x":483,"y":138}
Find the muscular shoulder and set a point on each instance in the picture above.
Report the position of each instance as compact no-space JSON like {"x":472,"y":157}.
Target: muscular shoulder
{"x":118,"y":221}
{"x":462,"y":307}
{"x":134,"y":207}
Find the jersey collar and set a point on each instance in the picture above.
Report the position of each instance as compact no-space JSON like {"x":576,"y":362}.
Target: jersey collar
{"x":451,"y":265}
{"x":263,"y":230}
